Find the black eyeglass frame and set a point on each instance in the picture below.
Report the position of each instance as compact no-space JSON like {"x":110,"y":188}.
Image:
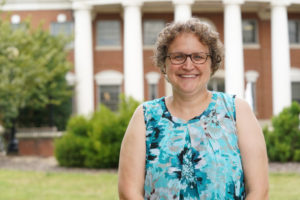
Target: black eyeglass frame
{"x":188,"y":55}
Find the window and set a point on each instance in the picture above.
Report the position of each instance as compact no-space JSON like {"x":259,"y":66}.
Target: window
{"x":295,"y":83}
{"x":250,"y":92}
{"x":63,"y":28}
{"x":151,"y":31}
{"x":249,"y":31}
{"x":16,"y":23}
{"x":108,"y":33}
{"x":109,"y":88}
{"x":152,"y":80}
{"x":250,"y":95}
{"x":153,"y":93}
{"x":216,"y":84}
{"x":21,"y":26}
{"x":296,"y":91}
{"x":109,"y":96}
{"x":294,"y":31}
{"x":71,"y":80}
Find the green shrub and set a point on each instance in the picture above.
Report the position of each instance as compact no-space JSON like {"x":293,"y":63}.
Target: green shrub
{"x":79,"y":125}
{"x":69,"y":150}
{"x":296,"y":156}
{"x":283,"y":143}
{"x":101,"y":136}
{"x":104,"y":133}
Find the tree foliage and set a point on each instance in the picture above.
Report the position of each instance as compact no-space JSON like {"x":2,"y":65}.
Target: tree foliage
{"x":33,"y":65}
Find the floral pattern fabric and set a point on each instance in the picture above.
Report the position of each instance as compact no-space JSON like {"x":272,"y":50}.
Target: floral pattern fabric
{"x":197,"y":159}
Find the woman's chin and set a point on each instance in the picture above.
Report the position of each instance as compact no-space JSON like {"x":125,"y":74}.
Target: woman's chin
{"x":188,"y":90}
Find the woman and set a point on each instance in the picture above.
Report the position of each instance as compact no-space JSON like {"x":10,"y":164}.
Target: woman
{"x":195,"y":144}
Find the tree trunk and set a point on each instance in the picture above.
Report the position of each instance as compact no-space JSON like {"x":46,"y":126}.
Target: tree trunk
{"x":13,"y":142}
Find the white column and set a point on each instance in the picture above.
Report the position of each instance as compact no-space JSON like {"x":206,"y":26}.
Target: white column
{"x":83,"y":59}
{"x":133,"y":50}
{"x":234,"y":60}
{"x":281,"y":84}
{"x":182,"y":9}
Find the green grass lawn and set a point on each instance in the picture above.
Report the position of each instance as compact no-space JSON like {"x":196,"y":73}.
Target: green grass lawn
{"x":21,"y":185}
{"x":284,"y":186}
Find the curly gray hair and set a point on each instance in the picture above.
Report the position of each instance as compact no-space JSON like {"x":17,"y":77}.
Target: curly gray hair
{"x":202,"y":30}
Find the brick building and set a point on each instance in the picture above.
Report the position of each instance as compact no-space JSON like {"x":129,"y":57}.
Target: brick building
{"x":113,"y":45}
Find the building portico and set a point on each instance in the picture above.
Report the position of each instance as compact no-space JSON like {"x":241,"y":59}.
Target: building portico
{"x":117,"y":35}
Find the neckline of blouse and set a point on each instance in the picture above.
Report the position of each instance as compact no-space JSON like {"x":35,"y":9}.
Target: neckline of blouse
{"x":177,"y":120}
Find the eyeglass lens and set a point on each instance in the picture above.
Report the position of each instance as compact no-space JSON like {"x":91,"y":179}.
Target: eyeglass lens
{"x":180,"y":58}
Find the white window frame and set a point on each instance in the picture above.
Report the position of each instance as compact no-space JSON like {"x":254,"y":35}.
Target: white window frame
{"x":15,"y":19}
{"x":108,"y":77}
{"x":108,"y":47}
{"x":153,"y":79}
{"x":16,"y":23}
{"x":70,"y":45}
{"x":251,"y":92}
{"x":71,"y":81}
{"x":294,"y":45}
{"x":295,"y":76}
{"x":220,"y":74}
{"x":148,"y":46}
{"x":256,"y":44}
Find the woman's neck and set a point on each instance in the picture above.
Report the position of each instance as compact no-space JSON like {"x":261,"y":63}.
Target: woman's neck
{"x":188,"y":106}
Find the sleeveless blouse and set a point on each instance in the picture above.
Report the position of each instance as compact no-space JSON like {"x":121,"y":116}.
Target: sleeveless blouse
{"x":195,"y":159}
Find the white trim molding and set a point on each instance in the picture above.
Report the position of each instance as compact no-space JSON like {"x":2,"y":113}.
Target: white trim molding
{"x":251,"y":76}
{"x":71,"y":78}
{"x":295,"y":74}
{"x":153,"y":77}
{"x":15,"y":19}
{"x":109,"y":77}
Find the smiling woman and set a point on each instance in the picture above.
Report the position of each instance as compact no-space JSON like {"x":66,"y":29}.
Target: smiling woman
{"x":188,"y":76}
{"x":195,"y":144}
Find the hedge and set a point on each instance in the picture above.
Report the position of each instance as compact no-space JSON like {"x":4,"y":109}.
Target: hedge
{"x":95,"y":142}
{"x":283,"y":141}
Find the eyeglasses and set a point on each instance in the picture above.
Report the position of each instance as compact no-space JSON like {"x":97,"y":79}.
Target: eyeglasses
{"x":180,"y":58}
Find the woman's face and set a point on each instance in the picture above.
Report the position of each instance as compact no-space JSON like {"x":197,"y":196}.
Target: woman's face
{"x":188,"y":77}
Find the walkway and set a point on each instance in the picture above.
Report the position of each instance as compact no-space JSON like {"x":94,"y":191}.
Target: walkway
{"x":50,"y":165}
{"x":30,"y":163}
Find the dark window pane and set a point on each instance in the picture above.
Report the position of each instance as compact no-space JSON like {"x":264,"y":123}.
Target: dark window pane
{"x":296,"y":91}
{"x":249,"y":32}
{"x":18,"y":26}
{"x":153,"y":92}
{"x":108,"y":33}
{"x":63,"y":28}
{"x":216,"y":84}
{"x":294,"y":31}
{"x":151,"y":30}
{"x":109,"y":96}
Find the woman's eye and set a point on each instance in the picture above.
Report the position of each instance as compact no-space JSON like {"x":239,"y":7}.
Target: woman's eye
{"x":179,"y":57}
{"x":198,"y":57}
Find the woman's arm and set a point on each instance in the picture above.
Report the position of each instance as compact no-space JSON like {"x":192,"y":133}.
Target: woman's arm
{"x":253,"y":151}
{"x":132,"y":159}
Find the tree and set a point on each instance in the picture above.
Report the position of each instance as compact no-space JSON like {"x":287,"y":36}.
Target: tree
{"x":33,"y":65}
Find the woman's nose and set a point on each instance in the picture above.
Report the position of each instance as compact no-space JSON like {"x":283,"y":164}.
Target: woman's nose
{"x":188,"y":64}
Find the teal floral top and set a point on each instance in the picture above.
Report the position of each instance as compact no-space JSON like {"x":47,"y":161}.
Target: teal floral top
{"x":197,"y":159}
